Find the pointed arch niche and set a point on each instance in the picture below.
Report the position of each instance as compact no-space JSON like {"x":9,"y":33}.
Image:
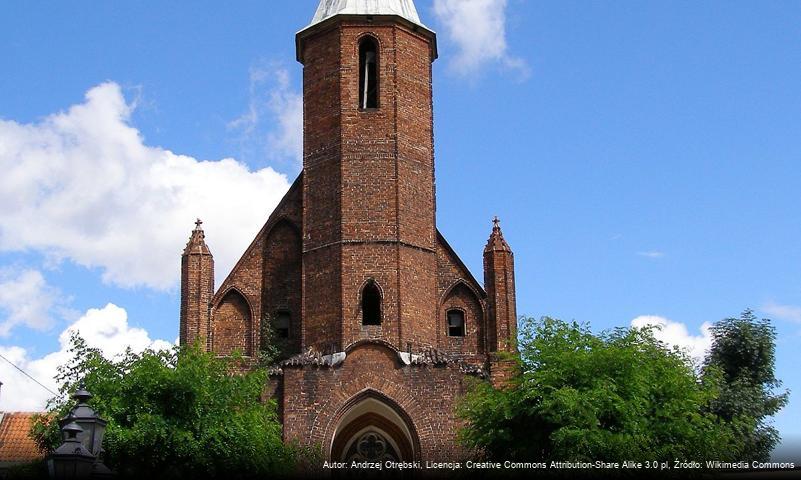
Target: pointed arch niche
{"x":232,"y":326}
{"x":374,"y":428}
{"x":281,"y":285}
{"x":462,"y":307}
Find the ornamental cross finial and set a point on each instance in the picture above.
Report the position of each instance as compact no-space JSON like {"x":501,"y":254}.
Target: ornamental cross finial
{"x":497,"y":222}
{"x":198,"y":223}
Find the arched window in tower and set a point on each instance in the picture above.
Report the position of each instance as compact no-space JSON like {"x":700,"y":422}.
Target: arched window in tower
{"x":368,"y":73}
{"x":371,"y":304}
{"x":281,"y":323}
{"x":455,"y":323}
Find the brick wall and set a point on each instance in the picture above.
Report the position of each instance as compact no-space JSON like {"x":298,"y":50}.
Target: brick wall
{"x":232,"y":327}
{"x":322,"y":187}
{"x":314,"y":397}
{"x":369,"y":187}
{"x":197,"y":288}
{"x":281,"y":278}
{"x":268,"y":274}
{"x":499,"y":280}
{"x":456,"y":288}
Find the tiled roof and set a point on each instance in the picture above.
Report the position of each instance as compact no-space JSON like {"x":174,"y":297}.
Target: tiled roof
{"x":426,"y":356}
{"x":432,"y":356}
{"x":16,"y":444}
{"x":315,"y":358}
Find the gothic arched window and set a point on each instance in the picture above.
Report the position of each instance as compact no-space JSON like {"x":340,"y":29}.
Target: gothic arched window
{"x":281,"y":323}
{"x":455,"y":323}
{"x":371,"y":304}
{"x":368,"y":73}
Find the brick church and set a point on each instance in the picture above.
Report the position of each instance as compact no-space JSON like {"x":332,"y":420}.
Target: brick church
{"x":378,"y":320}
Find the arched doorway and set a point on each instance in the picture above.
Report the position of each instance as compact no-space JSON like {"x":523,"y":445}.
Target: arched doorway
{"x":374,"y":428}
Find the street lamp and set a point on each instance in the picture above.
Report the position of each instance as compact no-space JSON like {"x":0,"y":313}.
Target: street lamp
{"x":71,"y":460}
{"x":84,"y":427}
{"x":93,"y":427}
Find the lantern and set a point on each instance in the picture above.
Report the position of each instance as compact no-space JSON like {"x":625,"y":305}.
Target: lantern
{"x":71,"y":460}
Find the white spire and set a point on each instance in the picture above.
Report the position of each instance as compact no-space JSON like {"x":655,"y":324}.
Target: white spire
{"x":402,"y":8}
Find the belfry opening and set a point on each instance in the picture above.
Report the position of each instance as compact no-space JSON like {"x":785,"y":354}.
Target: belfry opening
{"x":368,"y":73}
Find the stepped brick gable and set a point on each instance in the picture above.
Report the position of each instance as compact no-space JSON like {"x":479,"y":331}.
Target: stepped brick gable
{"x":378,"y":319}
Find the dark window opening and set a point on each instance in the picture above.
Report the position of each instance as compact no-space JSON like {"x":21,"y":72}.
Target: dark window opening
{"x":455,"y":323}
{"x":368,"y":74}
{"x":371,"y":305}
{"x":281,"y":324}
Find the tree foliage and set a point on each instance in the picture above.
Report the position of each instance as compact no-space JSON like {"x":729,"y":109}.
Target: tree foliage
{"x":621,"y":395}
{"x":181,"y":414}
{"x":744,"y":353}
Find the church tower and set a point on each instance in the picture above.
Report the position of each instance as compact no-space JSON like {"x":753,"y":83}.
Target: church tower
{"x":377,"y":319}
{"x":369,"y":233}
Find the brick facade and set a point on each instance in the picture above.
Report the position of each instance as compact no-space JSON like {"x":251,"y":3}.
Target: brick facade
{"x":362,"y":212}
{"x":197,"y":288}
{"x":316,"y":397}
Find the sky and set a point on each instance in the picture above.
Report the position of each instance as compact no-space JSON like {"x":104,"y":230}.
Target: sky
{"x":644,"y":159}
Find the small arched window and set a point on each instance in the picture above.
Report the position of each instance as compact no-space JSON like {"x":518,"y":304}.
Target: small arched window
{"x":368,"y":73}
{"x":455,"y":323}
{"x":281,"y":323}
{"x":371,"y":304}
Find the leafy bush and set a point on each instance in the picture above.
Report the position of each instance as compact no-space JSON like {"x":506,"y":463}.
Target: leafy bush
{"x":182,"y":414}
{"x":617,"y":396}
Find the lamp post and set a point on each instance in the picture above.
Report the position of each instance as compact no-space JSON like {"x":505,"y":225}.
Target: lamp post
{"x":83,"y":432}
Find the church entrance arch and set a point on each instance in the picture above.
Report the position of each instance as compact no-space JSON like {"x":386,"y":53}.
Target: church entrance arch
{"x":373,"y":428}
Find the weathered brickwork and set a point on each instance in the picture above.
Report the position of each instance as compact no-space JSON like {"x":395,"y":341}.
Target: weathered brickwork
{"x":315,"y":398}
{"x":457,"y":288}
{"x":281,"y":278}
{"x":369,"y":188}
{"x":197,"y":288}
{"x":464,"y":299}
{"x":362,"y":212}
{"x":499,"y":280}
{"x":269,"y":267}
{"x":232,"y":326}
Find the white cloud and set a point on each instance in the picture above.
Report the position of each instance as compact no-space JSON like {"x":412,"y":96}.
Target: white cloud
{"x":791,"y":313}
{"x":273,"y":98}
{"x":676,"y":334}
{"x":652,"y":254}
{"x":478,"y":29}
{"x":26,"y":299}
{"x":83,"y":185}
{"x":106,"y":328}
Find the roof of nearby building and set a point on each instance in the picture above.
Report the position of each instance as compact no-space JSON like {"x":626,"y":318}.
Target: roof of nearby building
{"x":16,"y":444}
{"x":402,"y":8}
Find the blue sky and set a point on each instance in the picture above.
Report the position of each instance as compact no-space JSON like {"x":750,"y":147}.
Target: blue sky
{"x":643,"y":158}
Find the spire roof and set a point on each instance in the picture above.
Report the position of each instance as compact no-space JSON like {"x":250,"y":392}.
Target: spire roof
{"x":401,"y":8}
{"x":197,"y":242}
{"x":496,"y":242}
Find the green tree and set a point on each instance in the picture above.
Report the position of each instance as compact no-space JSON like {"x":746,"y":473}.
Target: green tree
{"x":180,"y":414}
{"x":744,"y":352}
{"x":621,"y":395}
